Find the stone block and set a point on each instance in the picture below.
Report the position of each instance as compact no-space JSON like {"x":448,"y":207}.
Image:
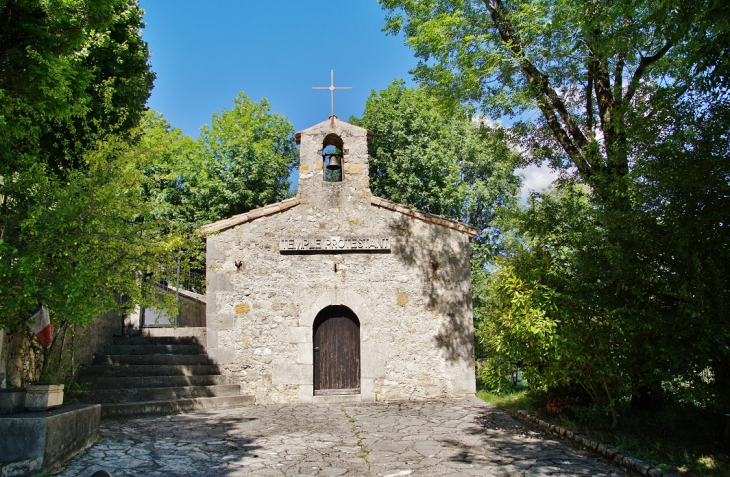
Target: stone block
{"x":225,"y":321}
{"x":41,"y":397}
{"x":213,"y":253}
{"x":367,"y":389}
{"x":212,"y":338}
{"x":306,"y":353}
{"x":32,"y":442}
{"x":610,"y":451}
{"x":11,"y":401}
{"x":220,"y":282}
{"x":306,"y":393}
{"x":300,"y":334}
{"x":292,"y":374}
{"x":337,"y":399}
{"x":373,"y":364}
{"x":221,"y":356}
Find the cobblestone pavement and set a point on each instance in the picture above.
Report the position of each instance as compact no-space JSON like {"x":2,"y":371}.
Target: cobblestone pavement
{"x":461,"y":437}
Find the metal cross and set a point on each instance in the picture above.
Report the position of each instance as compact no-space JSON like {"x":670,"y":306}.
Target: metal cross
{"x":332,"y":89}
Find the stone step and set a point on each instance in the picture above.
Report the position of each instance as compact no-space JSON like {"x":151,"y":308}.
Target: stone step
{"x":153,"y":349}
{"x":156,"y":340}
{"x":181,"y":331}
{"x":153,"y":359}
{"x":116,"y":382}
{"x":129,"y":409}
{"x":148,"y":370}
{"x":157,"y":394}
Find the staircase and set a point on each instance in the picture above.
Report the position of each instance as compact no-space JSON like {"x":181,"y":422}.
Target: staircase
{"x":143,"y":375}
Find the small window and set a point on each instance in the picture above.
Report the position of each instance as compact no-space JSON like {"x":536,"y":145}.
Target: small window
{"x":332,"y":158}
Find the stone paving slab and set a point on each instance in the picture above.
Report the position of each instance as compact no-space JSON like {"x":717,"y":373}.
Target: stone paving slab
{"x":446,"y":437}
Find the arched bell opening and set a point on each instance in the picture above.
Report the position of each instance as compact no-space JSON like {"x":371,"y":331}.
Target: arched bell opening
{"x":332,"y":158}
{"x":336,"y":337}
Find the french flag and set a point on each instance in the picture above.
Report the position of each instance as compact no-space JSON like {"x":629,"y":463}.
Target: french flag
{"x":40,"y":323}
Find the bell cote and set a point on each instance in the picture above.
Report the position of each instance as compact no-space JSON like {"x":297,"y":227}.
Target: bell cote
{"x":333,"y":163}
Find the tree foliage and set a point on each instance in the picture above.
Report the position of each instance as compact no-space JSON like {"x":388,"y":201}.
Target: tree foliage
{"x":246,"y":155}
{"x":75,"y":230}
{"x":637,"y":298}
{"x":623,"y":282}
{"x":80,"y":240}
{"x":599,"y":73}
{"x":64,"y":60}
{"x":437,"y":159}
{"x":241,"y":162}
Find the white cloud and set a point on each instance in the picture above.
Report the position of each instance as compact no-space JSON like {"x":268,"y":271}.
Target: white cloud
{"x":537,"y":178}
{"x":479,"y":119}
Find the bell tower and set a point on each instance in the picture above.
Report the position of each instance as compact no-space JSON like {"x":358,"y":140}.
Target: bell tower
{"x":333,"y":163}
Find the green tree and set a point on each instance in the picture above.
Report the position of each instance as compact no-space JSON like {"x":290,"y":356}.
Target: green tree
{"x":239,"y":163}
{"x":59,"y":60}
{"x":632,"y":100}
{"x":570,"y":305}
{"x":438,"y":159}
{"x":74,"y":230}
{"x":80,"y":240}
{"x":599,"y":73}
{"x":549,"y":306}
{"x":246,"y":155}
{"x":683,"y":192}
{"x":171,"y":162}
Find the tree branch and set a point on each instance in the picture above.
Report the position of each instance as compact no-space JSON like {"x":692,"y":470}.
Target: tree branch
{"x":573,"y":140}
{"x":645,"y":62}
{"x":618,"y":77}
{"x":598,"y":69}
{"x":589,"y":105}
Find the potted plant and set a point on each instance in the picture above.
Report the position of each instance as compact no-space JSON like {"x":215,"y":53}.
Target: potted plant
{"x":42,"y":397}
{"x":56,"y":366}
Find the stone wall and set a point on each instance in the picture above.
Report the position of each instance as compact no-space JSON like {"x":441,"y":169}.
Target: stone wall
{"x":93,"y":338}
{"x":413,"y":303}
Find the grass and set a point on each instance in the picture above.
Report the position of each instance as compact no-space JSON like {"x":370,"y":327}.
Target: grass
{"x":678,"y":438}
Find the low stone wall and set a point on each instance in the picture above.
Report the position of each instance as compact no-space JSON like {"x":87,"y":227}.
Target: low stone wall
{"x":35,"y":443}
{"x":609,"y":452}
{"x":95,"y":336}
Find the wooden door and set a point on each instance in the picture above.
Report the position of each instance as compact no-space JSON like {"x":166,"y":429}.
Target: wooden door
{"x":336,"y":352}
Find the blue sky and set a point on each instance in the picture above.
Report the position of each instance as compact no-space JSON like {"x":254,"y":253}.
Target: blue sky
{"x":205,"y":53}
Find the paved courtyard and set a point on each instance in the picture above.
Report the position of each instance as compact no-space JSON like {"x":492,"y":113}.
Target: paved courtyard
{"x":463,"y":437}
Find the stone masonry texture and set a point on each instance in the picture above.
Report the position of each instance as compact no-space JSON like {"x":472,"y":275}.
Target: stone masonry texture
{"x":413,"y":303}
{"x":441,"y":437}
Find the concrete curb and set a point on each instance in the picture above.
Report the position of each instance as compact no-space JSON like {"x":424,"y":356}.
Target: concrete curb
{"x":622,"y":460}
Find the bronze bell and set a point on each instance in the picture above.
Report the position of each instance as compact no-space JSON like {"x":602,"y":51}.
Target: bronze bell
{"x":334,"y":163}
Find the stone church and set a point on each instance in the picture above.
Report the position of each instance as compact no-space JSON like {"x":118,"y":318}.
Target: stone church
{"x":337,"y":295}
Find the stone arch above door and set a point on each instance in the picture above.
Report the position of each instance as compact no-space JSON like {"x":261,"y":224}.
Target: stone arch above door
{"x":336,"y":357}
{"x":302,"y":373}
{"x":336,"y":297}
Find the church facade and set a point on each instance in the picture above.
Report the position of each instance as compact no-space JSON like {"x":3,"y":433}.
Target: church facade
{"x":336,"y":295}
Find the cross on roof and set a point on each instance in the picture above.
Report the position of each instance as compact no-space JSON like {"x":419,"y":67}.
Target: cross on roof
{"x":332,"y":89}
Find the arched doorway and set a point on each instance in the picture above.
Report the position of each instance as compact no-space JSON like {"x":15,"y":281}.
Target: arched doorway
{"x":336,"y":352}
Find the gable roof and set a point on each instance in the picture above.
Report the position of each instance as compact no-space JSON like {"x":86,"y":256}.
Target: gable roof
{"x":376,"y":201}
{"x":331,"y":124}
{"x":426,"y":217}
{"x":249,"y":216}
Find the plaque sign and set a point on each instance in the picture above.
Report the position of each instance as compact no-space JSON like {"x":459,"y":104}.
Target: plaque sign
{"x":355,"y":244}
